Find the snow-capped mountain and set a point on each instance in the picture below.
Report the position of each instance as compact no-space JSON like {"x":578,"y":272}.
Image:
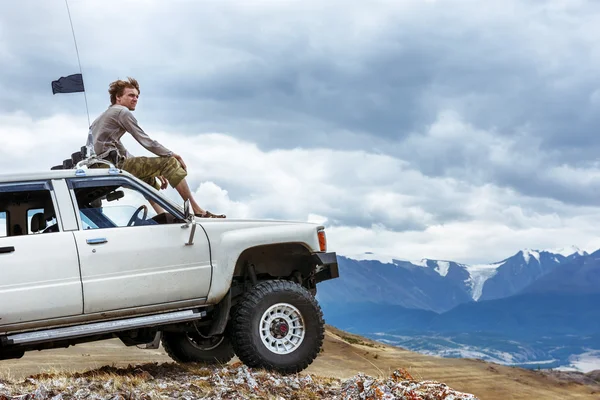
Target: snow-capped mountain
{"x":438,"y":285}
{"x":581,"y":275}
{"x":503,"y":278}
{"x":519,"y":271}
{"x":568,"y":251}
{"x":399,"y":283}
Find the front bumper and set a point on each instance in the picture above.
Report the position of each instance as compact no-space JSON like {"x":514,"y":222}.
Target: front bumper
{"x":327,"y":266}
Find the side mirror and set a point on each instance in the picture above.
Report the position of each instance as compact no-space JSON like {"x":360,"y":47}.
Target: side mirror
{"x":190,"y":220}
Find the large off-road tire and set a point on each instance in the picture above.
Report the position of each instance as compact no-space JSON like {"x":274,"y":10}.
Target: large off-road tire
{"x":190,"y":347}
{"x":278,"y":326}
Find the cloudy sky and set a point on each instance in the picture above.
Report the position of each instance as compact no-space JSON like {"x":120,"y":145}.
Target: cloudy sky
{"x":449,"y":129}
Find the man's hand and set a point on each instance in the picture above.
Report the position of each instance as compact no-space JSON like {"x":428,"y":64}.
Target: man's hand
{"x":178,"y":157}
{"x":163,"y":182}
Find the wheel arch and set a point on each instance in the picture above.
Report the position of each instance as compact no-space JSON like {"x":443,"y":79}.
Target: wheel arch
{"x":285,"y":245}
{"x":289,"y":260}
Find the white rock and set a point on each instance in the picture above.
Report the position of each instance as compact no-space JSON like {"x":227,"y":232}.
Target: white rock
{"x":41,"y":393}
{"x":82,"y":393}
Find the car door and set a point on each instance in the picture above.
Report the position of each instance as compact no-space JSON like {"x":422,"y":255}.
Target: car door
{"x":39,"y":268}
{"x":129,"y":259}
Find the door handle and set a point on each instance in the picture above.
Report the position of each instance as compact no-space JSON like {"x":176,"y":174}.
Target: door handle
{"x":8,"y":249}
{"x":96,"y":241}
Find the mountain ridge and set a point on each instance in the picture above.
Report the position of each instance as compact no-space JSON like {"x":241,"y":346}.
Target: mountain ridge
{"x":486,"y":281}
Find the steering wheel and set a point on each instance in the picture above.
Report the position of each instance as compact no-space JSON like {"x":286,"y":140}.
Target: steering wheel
{"x":137,"y":211}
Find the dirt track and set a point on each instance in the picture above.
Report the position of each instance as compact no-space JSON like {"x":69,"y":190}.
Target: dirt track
{"x":339,"y":359}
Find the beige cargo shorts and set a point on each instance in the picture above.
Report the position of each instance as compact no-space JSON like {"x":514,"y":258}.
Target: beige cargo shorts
{"x":148,"y":169}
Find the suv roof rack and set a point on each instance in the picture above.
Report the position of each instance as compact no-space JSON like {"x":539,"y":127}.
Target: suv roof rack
{"x":81,"y":159}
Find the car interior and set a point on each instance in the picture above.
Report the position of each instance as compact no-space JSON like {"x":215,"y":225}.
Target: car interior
{"x":26,"y":213}
{"x":117,"y":206}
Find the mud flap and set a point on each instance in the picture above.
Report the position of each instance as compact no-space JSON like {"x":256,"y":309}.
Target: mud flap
{"x":153,"y":344}
{"x":221,"y":316}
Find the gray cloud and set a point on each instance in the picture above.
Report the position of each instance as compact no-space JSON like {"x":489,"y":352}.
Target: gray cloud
{"x":520,"y":77}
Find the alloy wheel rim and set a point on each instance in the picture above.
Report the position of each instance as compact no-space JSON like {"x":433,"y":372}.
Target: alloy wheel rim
{"x":282,"y":328}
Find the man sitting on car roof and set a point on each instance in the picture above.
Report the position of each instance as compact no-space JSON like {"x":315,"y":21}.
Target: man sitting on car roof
{"x":112,"y":124}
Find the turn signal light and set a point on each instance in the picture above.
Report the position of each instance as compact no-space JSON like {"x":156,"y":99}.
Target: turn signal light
{"x":322,"y":240}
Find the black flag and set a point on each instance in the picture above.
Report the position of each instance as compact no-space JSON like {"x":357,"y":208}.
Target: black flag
{"x":68,"y":84}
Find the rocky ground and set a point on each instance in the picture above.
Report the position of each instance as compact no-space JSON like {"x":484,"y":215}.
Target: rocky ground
{"x":349,"y":367}
{"x":236,"y":381}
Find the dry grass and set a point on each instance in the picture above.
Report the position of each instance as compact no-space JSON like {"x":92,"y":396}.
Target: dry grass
{"x":6,"y":375}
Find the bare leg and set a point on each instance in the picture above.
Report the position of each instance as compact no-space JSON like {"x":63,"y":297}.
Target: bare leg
{"x":157,"y":208}
{"x":160,"y":167}
{"x":184,"y":191}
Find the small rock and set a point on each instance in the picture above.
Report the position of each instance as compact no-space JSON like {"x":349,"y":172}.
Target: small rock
{"x":276,"y":382}
{"x":109,"y":385}
{"x":41,"y":393}
{"x":187,"y":395}
{"x":82,"y":393}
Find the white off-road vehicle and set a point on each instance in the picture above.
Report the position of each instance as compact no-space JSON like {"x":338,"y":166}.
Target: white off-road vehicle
{"x":84,"y":257}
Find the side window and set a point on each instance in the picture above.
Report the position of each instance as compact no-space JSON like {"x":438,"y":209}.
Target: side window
{"x":116,"y":203}
{"x":3,"y":224}
{"x":26,"y":208}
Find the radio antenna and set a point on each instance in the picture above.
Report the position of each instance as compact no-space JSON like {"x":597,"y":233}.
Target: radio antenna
{"x":78,"y":61}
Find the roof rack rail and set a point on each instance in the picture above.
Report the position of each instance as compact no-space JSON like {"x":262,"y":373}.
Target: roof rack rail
{"x":81,"y":159}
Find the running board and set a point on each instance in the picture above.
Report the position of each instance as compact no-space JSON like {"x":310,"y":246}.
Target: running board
{"x":71,"y":332}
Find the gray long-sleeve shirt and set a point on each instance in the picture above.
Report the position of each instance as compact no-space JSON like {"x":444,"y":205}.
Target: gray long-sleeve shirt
{"x":112,"y":124}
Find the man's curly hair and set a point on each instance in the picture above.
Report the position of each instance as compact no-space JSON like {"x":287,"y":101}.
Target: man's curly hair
{"x":117,"y":88}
